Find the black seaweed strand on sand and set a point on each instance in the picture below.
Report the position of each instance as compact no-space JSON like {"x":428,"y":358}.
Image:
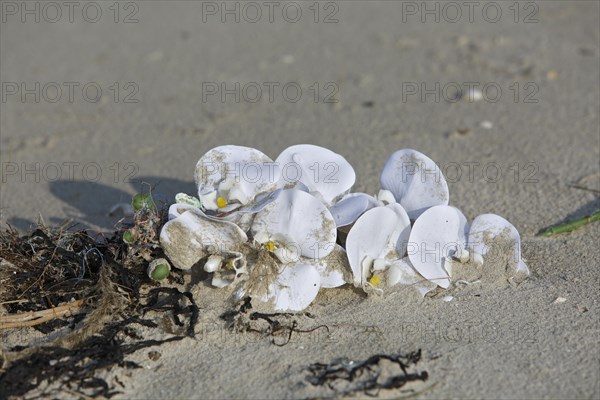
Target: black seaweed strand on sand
{"x":102,"y":285}
{"x":347,"y":378}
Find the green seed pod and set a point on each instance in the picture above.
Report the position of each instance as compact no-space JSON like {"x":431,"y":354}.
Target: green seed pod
{"x":140,"y":201}
{"x":128,"y":237}
{"x":159,"y":269}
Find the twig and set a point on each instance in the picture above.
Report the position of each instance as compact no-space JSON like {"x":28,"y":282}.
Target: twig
{"x":14,"y":301}
{"x":39,"y":317}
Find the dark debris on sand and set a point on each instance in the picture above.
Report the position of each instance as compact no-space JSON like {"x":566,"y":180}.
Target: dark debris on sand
{"x":367,"y":377}
{"x":106,"y":278}
{"x":272,"y":325}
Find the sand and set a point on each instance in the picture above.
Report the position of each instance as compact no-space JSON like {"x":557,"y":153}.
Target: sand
{"x":494,"y":341}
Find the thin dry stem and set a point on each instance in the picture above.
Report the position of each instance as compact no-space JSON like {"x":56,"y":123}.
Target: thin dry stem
{"x":39,"y":317}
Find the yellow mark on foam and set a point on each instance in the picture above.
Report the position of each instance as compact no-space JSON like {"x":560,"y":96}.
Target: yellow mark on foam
{"x":221,"y":202}
{"x":270,"y":246}
{"x":374,"y":281}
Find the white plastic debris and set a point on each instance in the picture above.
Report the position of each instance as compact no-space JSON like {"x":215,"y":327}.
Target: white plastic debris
{"x":292,"y":209}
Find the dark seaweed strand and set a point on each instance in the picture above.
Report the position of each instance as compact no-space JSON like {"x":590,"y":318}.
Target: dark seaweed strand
{"x":366,"y":374}
{"x":276,"y":326}
{"x":75,"y":369}
{"x":171,"y":302}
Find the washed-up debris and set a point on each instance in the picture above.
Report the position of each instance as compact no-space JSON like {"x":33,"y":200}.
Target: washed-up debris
{"x":278,"y":240}
{"x":47,"y":269}
{"x":276,"y":327}
{"x":378,"y":372}
{"x":92,"y":291}
{"x":55,"y":369}
{"x":272,"y":325}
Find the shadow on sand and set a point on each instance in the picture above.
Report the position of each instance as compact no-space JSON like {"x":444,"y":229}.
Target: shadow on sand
{"x":93,"y":200}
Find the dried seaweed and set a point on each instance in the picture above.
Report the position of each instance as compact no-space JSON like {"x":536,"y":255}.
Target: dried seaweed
{"x":276,"y":323}
{"x":231,"y":317}
{"x":77,"y":369}
{"x":172,"y":303}
{"x":47,"y":268}
{"x":102,"y":280}
{"x":346,"y":377}
{"x":276,"y":326}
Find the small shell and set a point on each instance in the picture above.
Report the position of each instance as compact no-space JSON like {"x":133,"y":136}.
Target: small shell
{"x":226,"y":268}
{"x":462,"y":254}
{"x":213,"y":263}
{"x":559,"y":300}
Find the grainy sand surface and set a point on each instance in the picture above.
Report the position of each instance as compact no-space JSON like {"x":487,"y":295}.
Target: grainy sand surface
{"x":491,"y":341}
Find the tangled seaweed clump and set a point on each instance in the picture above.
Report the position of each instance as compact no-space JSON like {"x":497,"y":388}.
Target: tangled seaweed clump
{"x":93,"y":294}
{"x":346,"y":377}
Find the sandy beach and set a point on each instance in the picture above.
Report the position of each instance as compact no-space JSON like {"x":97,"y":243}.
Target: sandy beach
{"x":100,"y":103}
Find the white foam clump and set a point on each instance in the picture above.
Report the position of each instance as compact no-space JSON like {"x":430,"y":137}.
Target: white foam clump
{"x":275,"y":237}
